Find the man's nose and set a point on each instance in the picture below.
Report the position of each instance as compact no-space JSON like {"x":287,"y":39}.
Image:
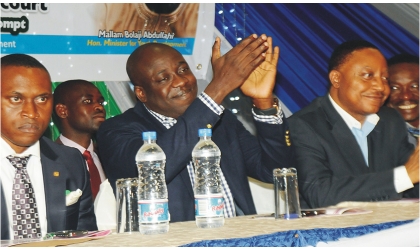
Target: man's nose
{"x":406,"y":94}
{"x":99,"y":106}
{"x":30,"y":110}
{"x":379,"y":84}
{"x":179,"y":81}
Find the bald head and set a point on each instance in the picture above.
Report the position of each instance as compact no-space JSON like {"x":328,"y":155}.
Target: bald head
{"x":143,"y":58}
{"x":162,"y":79}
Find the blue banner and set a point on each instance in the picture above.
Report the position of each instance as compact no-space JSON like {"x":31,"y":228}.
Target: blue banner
{"x":61,"y":44}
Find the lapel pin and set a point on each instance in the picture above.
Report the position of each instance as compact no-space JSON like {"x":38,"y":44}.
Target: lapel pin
{"x":56,"y":174}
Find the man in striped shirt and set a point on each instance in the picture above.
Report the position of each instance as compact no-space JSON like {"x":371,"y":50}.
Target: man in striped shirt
{"x":166,"y":90}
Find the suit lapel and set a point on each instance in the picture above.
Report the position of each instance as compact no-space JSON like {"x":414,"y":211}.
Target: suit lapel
{"x":4,"y":217}
{"x":375,"y":147}
{"x":55,"y":186}
{"x":145,"y":115}
{"x":344,"y":138}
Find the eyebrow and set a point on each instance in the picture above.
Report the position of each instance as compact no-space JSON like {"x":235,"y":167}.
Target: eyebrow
{"x":14,"y":92}
{"x":179,"y":64}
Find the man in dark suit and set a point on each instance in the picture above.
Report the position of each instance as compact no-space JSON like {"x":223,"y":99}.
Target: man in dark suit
{"x":51,"y":170}
{"x":404,"y":97}
{"x":168,"y":104}
{"x":78,"y":112}
{"x":349,"y":147}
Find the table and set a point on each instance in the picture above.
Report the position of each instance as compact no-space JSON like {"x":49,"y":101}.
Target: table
{"x":182,"y":233}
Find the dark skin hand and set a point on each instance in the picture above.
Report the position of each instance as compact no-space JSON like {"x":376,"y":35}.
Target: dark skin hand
{"x":231,"y":70}
{"x":260,"y":84}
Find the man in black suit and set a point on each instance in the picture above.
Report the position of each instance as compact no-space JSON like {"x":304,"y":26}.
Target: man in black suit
{"x":349,"y":147}
{"x":78,"y":112}
{"x":404,"y":97}
{"x":168,"y":104}
{"x":53,"y":170}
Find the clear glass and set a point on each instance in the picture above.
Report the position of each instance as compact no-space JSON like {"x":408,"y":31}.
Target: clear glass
{"x":286,"y":194}
{"x":127,"y":207}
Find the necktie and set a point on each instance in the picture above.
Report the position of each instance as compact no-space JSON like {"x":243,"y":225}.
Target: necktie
{"x":24,"y":208}
{"x":95,"y":179}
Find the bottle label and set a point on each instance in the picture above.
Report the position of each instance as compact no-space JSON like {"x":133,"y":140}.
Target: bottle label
{"x":153,"y":210}
{"x":207,"y":206}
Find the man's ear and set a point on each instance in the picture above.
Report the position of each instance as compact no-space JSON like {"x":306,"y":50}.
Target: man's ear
{"x":335,"y":77}
{"x":140,"y":93}
{"x":61,"y":110}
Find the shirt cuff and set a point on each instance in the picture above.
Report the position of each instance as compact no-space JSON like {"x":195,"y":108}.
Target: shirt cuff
{"x":402,"y":181}
{"x":216,"y":108}
{"x":270,"y":119}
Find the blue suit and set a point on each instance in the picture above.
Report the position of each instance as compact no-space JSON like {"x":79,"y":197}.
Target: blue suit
{"x":243,"y":154}
{"x":64,"y":169}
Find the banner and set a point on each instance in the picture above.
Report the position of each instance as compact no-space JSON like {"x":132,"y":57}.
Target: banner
{"x":93,"y":41}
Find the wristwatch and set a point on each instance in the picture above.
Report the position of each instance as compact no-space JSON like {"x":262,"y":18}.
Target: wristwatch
{"x":270,"y":111}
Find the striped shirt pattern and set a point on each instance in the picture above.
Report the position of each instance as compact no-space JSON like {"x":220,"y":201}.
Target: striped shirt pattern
{"x":168,"y":122}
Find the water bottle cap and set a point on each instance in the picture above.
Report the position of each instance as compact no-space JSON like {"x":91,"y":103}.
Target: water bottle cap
{"x":204,"y":132}
{"x":149,"y":135}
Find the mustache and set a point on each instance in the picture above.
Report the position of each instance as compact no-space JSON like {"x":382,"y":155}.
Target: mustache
{"x":29,"y":126}
{"x":99,"y":111}
{"x":181,"y":92}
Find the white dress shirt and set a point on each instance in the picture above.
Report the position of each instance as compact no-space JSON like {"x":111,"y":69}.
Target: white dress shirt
{"x":105,"y":203}
{"x":402,"y":181}
{"x":34,"y":169}
{"x":66,"y":141}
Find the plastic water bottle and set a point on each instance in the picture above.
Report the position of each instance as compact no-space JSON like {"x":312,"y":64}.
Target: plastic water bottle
{"x":152,"y":192}
{"x":209,"y":206}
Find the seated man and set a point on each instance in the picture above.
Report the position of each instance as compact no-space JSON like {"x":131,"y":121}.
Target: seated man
{"x":349,"y":147}
{"x":404,"y":97}
{"x":78,"y":112}
{"x":168,"y":104}
{"x":43,"y":169}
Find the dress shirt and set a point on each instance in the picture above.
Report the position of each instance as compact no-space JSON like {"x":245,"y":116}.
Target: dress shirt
{"x":66,"y":141}
{"x":412,"y":137}
{"x":34,"y":169}
{"x":402,"y":181}
{"x":360,"y":131}
{"x":168,"y":122}
{"x":105,"y":203}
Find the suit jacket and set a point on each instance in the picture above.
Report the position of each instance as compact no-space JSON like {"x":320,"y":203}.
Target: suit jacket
{"x":330,"y":163}
{"x":63,"y":169}
{"x":242,"y":154}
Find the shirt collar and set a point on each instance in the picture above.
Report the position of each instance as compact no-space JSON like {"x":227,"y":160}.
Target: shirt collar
{"x":66,"y":141}
{"x":410,"y":126}
{"x":166,"y":121}
{"x":6,"y":150}
{"x":350,"y":120}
